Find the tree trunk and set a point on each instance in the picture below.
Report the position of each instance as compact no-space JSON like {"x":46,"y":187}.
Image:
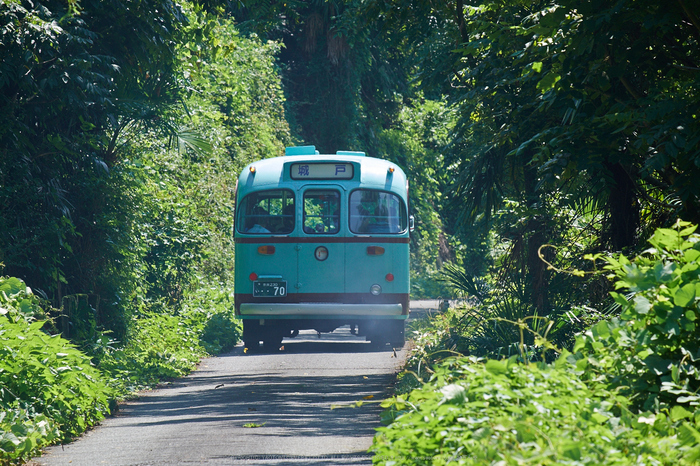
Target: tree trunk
{"x":623,"y":210}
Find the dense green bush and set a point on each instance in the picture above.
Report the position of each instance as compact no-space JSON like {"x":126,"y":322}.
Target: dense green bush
{"x":51,"y":391}
{"x":161,"y":347}
{"x":652,"y":352}
{"x":476,"y":412}
{"x":626,"y":394}
{"x":48,"y":389}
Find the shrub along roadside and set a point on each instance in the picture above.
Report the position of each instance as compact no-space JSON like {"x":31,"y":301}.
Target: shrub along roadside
{"x":476,"y":411}
{"x":50,"y":391}
{"x":626,"y":394}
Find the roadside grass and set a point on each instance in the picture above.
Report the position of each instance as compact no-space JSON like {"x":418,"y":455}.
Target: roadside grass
{"x":51,"y":391}
{"x":625,"y":393}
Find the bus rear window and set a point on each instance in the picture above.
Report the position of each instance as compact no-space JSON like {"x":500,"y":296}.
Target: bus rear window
{"x":321,"y":212}
{"x":267,"y":212}
{"x":373,"y":211}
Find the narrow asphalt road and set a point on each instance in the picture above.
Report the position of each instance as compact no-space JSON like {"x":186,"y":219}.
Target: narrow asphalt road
{"x":243,"y":409}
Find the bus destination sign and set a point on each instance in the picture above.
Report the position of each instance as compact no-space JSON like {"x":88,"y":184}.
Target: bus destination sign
{"x":322,"y":171}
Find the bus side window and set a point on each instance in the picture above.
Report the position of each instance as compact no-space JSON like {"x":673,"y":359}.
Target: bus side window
{"x":373,"y":211}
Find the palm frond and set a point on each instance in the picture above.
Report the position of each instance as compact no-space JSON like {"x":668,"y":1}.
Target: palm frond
{"x":185,"y":139}
{"x":459,"y":279}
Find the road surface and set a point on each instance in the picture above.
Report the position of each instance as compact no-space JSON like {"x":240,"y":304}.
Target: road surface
{"x":245,"y":409}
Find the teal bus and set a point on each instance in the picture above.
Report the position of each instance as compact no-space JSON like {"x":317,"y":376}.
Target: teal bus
{"x":322,"y":241}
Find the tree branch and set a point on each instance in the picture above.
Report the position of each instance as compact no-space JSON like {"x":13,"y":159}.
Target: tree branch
{"x":686,"y":68}
{"x":629,"y":88}
{"x":459,"y":12}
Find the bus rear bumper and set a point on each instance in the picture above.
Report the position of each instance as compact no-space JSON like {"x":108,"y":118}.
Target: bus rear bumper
{"x":326,"y":310}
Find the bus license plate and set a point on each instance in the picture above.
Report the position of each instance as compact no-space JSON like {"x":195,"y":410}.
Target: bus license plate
{"x":276,"y":289}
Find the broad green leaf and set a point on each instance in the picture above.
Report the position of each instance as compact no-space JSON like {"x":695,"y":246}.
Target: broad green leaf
{"x":664,"y":271}
{"x":601,"y":330}
{"x":641,"y":305}
{"x":619,"y":298}
{"x":675,"y":372}
{"x":548,"y":81}
{"x":685,"y":295}
{"x":688,"y":231}
{"x":659,"y":365}
{"x":679,"y":412}
{"x":689,"y":435}
{"x":691,"y":255}
{"x":11,"y":285}
{"x":496,"y":367}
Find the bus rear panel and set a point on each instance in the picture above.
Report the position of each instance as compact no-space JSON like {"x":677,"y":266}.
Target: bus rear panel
{"x":322,"y":241}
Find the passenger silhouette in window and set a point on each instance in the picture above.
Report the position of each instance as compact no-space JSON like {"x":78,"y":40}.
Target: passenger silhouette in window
{"x":258,"y":219}
{"x":373,"y":211}
{"x":288,"y":219}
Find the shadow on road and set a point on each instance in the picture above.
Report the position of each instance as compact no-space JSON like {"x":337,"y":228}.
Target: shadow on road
{"x":282,"y":404}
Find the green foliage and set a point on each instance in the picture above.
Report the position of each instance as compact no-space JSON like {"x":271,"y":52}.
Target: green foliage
{"x":652,"y":351}
{"x":210,"y":312}
{"x":22,"y":434}
{"x":162,"y":347}
{"x":415,"y":142}
{"x":123,"y":129}
{"x":627,"y":394}
{"x":17,"y":302}
{"x":158,"y":347}
{"x":475,"y":412}
{"x":185,"y":198}
{"x":48,"y":389}
{"x":235,"y":98}
{"x":501,"y":322}
{"x":73,"y":75}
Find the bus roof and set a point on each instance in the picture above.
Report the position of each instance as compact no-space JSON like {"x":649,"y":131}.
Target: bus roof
{"x":368,"y":172}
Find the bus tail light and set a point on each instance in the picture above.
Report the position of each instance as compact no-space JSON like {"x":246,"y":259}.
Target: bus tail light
{"x":266,"y":250}
{"x":375,"y":250}
{"x":389,"y":277}
{"x":253,"y":276}
{"x":375,"y":289}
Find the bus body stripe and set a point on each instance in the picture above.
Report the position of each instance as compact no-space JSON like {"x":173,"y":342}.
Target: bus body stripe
{"x":322,"y":239}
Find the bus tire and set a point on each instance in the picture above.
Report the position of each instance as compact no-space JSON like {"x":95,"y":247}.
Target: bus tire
{"x":272,"y":343}
{"x":251,"y":335}
{"x":398,"y":343}
{"x":396,"y":334}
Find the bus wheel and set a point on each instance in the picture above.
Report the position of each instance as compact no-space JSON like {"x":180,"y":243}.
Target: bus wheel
{"x":272,"y":343}
{"x":396,"y":334}
{"x":391,"y":332}
{"x":251,"y":334}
